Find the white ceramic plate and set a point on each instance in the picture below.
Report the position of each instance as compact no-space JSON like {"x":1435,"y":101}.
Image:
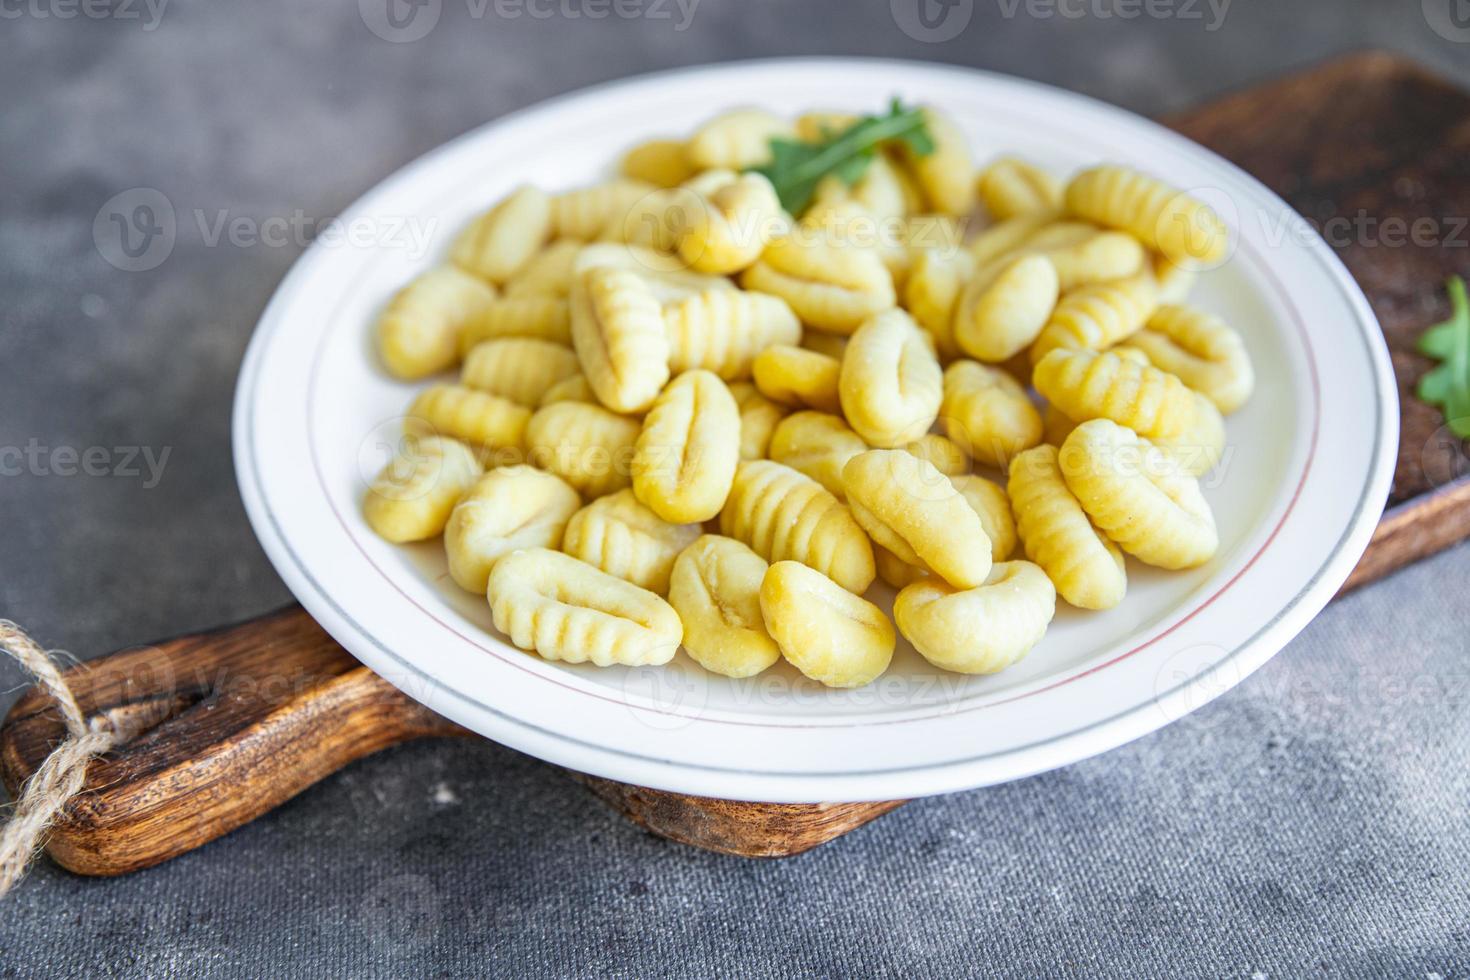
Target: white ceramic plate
{"x":1308,"y":469}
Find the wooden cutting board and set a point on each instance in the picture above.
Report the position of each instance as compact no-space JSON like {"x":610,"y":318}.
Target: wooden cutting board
{"x":241,"y":719}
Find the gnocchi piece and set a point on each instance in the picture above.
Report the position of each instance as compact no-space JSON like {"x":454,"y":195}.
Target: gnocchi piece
{"x":411,"y":498}
{"x":583,"y":213}
{"x":621,"y":536}
{"x":685,"y":457}
{"x":498,"y":243}
{"x":722,"y":330}
{"x":987,"y":499}
{"x":1199,"y":448}
{"x":830,"y":287}
{"x":783,"y":514}
{"x":759,"y":417}
{"x":663,"y":163}
{"x":1099,"y":316}
{"x":1138,"y":497}
{"x":946,"y":175}
{"x":913,"y":510}
{"x":736,"y":140}
{"x":1200,"y":350}
{"x":518,"y":368}
{"x":584,"y":444}
{"x":943,"y":454}
{"x":980,"y":630}
{"x":716,"y":589}
{"x":729,"y":229}
{"x":818,"y":445}
{"x":936,"y":281}
{"x":891,"y":385}
{"x":618,"y":333}
{"x":798,"y":377}
{"x":567,"y":610}
{"x":1181,"y":228}
{"x":476,"y":417}
{"x":665,"y":275}
{"x":821,"y":124}
{"x":572,"y":389}
{"x":1175,"y":282}
{"x":1011,"y":186}
{"x":419,"y":331}
{"x":1082,"y":562}
{"x":539,"y":317}
{"x":549,"y":271}
{"x":1087,"y":385}
{"x":988,"y":413}
{"x":830,"y":344}
{"x":509,"y":508}
{"x":880,"y":190}
{"x":829,"y":634}
{"x":1005,"y":239}
{"x":1005,"y":306}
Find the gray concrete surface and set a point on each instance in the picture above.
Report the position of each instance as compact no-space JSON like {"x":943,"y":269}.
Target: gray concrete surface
{"x":1313,"y":821}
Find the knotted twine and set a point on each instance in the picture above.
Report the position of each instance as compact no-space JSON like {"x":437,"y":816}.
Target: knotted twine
{"x":61,"y":775}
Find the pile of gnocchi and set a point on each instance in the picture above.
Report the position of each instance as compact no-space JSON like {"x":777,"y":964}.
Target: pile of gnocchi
{"x":687,"y":418}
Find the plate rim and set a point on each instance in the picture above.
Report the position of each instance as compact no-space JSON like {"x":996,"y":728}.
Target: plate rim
{"x":922,"y":778}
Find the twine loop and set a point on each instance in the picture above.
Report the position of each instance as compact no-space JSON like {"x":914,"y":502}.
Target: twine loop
{"x":61,"y":775}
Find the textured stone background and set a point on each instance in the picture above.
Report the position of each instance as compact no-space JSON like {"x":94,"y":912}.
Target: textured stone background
{"x":1313,"y":820}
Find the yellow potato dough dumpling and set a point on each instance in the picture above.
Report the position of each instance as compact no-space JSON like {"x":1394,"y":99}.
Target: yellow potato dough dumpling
{"x":988,"y":413}
{"x":565,"y":609}
{"x":581,"y":214}
{"x":831,"y":287}
{"x":1202,"y":351}
{"x":663,"y":163}
{"x":685,"y":457}
{"x":618,"y":333}
{"x":829,"y":634}
{"x":736,"y":140}
{"x":818,"y":445}
{"x":783,"y":514}
{"x":1083,"y":563}
{"x":1011,"y":186}
{"x":913,"y":510}
{"x":540,"y":317}
{"x":715,"y":587}
{"x":1183,"y":229}
{"x":723,"y":330}
{"x":1085,"y":385}
{"x":419,"y":331}
{"x":759,"y":417}
{"x":498,"y":243}
{"x":584,"y":444}
{"x":798,"y":377}
{"x":980,"y":630}
{"x":621,"y":536}
{"x":518,"y":368}
{"x":935,"y":284}
{"x":475,"y":417}
{"x":730,"y":226}
{"x":944,"y":454}
{"x":1004,"y":307}
{"x":1099,"y":316}
{"x":990,"y":501}
{"x":411,"y":498}
{"x":509,"y":508}
{"x":891,"y":384}
{"x":1138,"y":497}
{"x":947,"y":175}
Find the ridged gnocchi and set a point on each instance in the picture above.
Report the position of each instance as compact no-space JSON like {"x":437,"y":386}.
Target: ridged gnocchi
{"x":1004,"y":307}
{"x":413,"y":495}
{"x":567,"y":610}
{"x":1138,"y":497}
{"x":979,"y":630}
{"x":728,"y":230}
{"x":585,"y":444}
{"x":830,"y":287}
{"x":518,"y":368}
{"x":716,"y":589}
{"x":583,"y":213}
{"x":509,"y":508}
{"x":759,"y":417}
{"x":481,"y":419}
{"x":419,"y":331}
{"x":818,"y":445}
{"x":661,"y":162}
{"x":798,"y":377}
{"x":829,"y":634}
{"x":685,"y":457}
{"x":622,"y":537}
{"x":1083,"y":563}
{"x":1011,"y":186}
{"x":540,"y":317}
{"x":1202,"y":351}
{"x":783,"y":514}
{"x":988,"y":413}
{"x":736,"y":139}
{"x":1086,"y":385}
{"x":890,"y":385}
{"x":1181,"y":228}
{"x":913,"y":510}
{"x":724,"y":330}
{"x":1099,"y":316}
{"x":498,"y":243}
{"x":618,"y":333}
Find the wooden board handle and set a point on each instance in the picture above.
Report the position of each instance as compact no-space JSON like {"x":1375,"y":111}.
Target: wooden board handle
{"x":235,"y":722}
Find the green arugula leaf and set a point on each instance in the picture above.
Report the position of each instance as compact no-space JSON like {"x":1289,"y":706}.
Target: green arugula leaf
{"x":796,"y":167}
{"x":1448,"y":385}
